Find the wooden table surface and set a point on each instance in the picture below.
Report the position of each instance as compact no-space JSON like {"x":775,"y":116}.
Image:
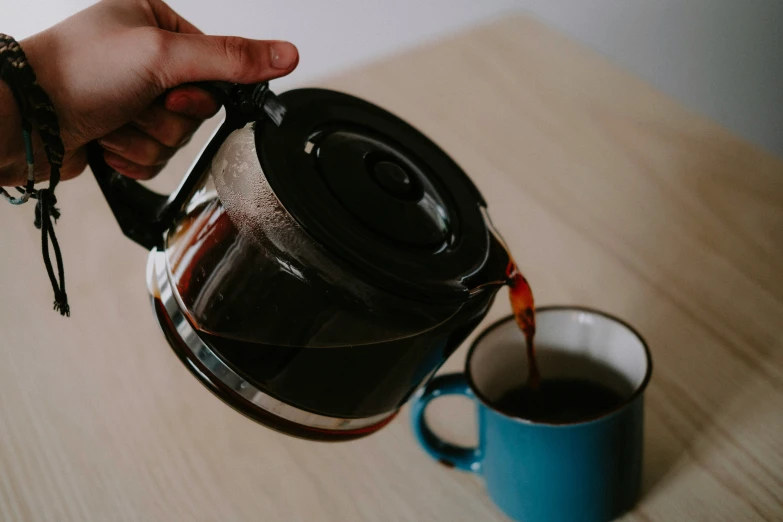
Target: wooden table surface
{"x":609,"y":193}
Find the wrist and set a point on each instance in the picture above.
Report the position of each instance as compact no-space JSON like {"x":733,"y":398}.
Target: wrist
{"x":11,"y":142}
{"x":13,"y":163}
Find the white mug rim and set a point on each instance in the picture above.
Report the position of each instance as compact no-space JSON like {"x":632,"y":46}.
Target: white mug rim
{"x":639,"y":390}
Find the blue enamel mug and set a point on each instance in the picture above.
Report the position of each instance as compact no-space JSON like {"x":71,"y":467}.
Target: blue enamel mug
{"x":588,"y":470}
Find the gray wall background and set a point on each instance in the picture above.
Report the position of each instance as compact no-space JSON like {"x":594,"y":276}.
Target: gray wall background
{"x":721,"y":58}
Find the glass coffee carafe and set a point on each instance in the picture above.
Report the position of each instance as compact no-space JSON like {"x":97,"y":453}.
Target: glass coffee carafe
{"x":318,"y":264}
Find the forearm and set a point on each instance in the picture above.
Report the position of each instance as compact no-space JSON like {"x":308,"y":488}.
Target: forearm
{"x":11,"y":142}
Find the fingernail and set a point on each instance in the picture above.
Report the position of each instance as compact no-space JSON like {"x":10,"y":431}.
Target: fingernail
{"x":182,"y":104}
{"x":283,"y":55}
{"x":115,"y":143}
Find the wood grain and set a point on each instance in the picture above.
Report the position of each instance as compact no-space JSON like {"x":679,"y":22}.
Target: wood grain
{"x":609,"y":193}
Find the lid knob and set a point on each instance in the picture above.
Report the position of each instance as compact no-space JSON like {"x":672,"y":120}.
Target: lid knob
{"x":392,"y":178}
{"x":396,"y":181}
{"x":386,"y":191}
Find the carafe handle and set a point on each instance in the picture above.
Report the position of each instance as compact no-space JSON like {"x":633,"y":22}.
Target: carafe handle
{"x":144,"y":215}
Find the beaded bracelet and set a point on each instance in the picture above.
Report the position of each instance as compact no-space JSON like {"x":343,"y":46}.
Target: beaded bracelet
{"x":36,"y":108}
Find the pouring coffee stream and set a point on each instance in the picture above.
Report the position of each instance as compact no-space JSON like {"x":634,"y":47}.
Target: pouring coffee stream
{"x":522,"y":305}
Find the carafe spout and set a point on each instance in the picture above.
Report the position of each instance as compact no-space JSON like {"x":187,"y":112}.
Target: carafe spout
{"x":494,"y":273}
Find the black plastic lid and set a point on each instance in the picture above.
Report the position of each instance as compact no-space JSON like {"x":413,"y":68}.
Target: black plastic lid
{"x":376,"y":193}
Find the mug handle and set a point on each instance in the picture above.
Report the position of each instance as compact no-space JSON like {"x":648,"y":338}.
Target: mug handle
{"x":466,"y":459}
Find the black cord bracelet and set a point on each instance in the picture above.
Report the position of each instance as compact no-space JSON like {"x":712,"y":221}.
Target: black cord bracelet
{"x":38,"y":112}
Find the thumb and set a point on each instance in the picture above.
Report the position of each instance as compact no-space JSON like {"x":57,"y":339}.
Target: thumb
{"x":197,"y":57}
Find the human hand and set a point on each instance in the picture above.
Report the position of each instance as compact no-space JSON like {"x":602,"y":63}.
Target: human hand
{"x":115,"y":73}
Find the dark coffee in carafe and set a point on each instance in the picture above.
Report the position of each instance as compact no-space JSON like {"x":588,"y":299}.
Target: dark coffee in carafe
{"x":218,"y":282}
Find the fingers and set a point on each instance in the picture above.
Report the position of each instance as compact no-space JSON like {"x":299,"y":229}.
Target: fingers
{"x":192,"y":58}
{"x":134,"y":154}
{"x":173,"y":122}
{"x":191,"y":101}
{"x":163,"y":126}
{"x":136,"y":146}
{"x":130,"y":169}
{"x":141,"y":149}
